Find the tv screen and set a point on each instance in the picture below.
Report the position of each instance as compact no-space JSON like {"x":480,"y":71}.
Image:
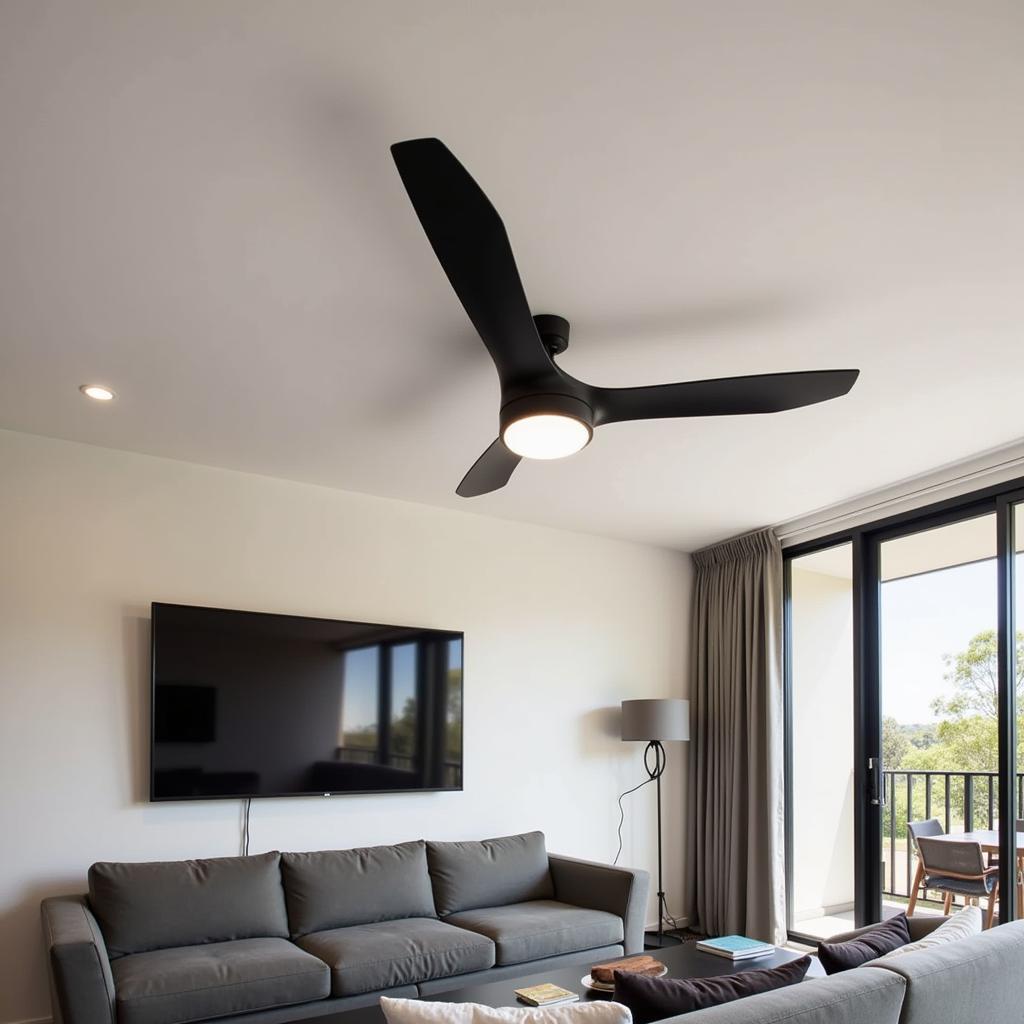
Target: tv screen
{"x":246,"y":704}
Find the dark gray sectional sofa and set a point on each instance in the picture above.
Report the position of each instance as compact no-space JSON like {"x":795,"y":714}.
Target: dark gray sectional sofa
{"x":279,"y":936}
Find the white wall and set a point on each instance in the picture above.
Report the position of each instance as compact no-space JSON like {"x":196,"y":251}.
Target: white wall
{"x":559,"y":628}
{"x":823,"y":730}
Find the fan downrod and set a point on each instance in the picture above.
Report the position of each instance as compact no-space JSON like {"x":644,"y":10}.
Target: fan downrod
{"x":553,"y":331}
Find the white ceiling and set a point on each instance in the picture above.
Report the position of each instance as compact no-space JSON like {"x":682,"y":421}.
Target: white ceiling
{"x":197,"y":205}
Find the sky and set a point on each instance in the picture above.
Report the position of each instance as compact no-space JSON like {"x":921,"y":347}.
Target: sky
{"x":923,"y":618}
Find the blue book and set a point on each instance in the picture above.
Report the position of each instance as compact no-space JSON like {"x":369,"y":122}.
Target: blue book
{"x":736,"y":947}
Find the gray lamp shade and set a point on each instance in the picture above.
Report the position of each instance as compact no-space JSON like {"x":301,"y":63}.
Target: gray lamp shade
{"x":662,"y":719}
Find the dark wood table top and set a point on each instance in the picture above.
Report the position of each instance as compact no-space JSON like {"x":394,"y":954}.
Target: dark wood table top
{"x":683,"y":961}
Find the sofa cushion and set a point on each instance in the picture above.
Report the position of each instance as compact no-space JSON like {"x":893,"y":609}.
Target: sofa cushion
{"x":540,"y":928}
{"x":918,"y":927}
{"x":421,"y":1011}
{"x":651,"y":999}
{"x":869,"y":945}
{"x":442,"y":987}
{"x":489,"y":872}
{"x":366,"y":957}
{"x":187,"y":902}
{"x":848,"y":998}
{"x":173,"y":986}
{"x":960,"y":926}
{"x":337,"y":888}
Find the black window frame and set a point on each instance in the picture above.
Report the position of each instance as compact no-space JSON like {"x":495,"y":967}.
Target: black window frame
{"x":865,"y":540}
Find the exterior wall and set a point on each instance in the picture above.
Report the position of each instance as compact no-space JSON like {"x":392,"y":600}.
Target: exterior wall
{"x":822,"y":680}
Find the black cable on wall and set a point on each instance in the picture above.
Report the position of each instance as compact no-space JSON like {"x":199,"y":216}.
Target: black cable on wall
{"x":245,"y":826}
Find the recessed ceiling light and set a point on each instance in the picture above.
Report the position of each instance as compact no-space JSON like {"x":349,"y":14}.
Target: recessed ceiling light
{"x":97,"y":392}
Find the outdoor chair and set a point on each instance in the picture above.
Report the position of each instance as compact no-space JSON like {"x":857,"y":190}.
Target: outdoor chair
{"x":918,"y":830}
{"x":931,"y":827}
{"x":956,"y":868}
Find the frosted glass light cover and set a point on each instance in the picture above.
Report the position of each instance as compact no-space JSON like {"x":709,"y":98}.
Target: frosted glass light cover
{"x":546,"y":436}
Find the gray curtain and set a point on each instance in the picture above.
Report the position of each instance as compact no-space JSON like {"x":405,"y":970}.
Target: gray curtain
{"x":735,"y":868}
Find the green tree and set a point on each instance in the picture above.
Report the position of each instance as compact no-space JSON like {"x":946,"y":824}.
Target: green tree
{"x":974,"y":673}
{"x":968,"y":735}
{"x":964,"y":745}
{"x":453,"y":731}
{"x":966,"y":739}
{"x":923,"y":736}
{"x":895,"y":744}
{"x":403,"y":730}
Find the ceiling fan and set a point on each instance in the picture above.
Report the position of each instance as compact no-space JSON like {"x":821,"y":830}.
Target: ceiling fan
{"x":545,"y":412}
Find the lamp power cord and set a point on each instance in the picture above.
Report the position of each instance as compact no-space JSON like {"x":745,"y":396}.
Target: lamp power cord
{"x":653,"y":774}
{"x":622,"y":813}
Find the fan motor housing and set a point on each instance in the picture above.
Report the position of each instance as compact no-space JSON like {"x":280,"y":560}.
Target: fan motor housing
{"x":547,"y":405}
{"x":553,"y":331}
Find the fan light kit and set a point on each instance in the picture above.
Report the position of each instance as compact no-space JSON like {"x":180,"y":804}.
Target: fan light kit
{"x":546,"y":436}
{"x":98,"y":392}
{"x":546,"y":413}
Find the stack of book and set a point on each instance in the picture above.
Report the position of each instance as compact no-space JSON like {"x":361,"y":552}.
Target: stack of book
{"x":736,"y":947}
{"x":545,"y":995}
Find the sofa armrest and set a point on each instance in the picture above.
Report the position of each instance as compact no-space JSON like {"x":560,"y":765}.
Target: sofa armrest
{"x":621,"y":891}
{"x":919,"y":928}
{"x":81,"y":984}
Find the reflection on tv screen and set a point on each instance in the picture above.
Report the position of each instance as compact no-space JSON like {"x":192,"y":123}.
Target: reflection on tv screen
{"x":251,"y":704}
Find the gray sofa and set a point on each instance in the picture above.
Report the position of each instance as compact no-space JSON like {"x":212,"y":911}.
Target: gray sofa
{"x":972,"y":981}
{"x":280,"y":936}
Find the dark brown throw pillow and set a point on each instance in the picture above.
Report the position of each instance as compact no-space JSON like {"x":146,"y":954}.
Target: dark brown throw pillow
{"x":651,"y":999}
{"x":842,"y":956}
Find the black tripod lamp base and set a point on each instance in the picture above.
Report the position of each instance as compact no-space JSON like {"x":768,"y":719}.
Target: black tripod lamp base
{"x":652,"y":940}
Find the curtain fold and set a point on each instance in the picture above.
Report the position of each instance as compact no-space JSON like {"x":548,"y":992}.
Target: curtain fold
{"x":735,"y":868}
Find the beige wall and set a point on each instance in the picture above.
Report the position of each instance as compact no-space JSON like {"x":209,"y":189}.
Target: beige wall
{"x":822,"y":680}
{"x":559,"y":628}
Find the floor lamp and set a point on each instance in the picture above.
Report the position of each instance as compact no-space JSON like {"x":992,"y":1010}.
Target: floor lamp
{"x":657,"y":721}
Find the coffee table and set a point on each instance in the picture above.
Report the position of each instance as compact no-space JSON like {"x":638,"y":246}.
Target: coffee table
{"x":685,"y":961}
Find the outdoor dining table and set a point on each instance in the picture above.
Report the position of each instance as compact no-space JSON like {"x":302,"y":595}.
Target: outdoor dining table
{"x":989,"y":840}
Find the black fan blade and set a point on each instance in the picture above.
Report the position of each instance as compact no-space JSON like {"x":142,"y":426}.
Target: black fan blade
{"x":470,"y":242}
{"x":727,"y":396}
{"x":490,"y":472}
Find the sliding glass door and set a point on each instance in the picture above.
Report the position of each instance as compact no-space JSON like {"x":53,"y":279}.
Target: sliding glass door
{"x":939,"y":674}
{"x":905,"y":691}
{"x":1012,"y":701}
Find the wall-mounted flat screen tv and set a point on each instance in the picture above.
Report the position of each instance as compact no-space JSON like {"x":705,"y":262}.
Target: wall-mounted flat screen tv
{"x":246,"y":704}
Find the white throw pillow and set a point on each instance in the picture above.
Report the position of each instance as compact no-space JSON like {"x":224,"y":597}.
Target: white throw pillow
{"x":961,"y":925}
{"x":419,"y":1011}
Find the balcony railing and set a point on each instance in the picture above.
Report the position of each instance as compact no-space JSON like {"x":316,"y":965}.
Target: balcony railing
{"x":962,"y":801}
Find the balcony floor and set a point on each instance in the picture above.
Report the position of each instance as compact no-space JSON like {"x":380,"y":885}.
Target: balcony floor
{"x":826,"y":927}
